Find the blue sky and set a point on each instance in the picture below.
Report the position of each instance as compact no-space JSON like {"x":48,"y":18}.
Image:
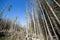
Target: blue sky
{"x":18,"y":9}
